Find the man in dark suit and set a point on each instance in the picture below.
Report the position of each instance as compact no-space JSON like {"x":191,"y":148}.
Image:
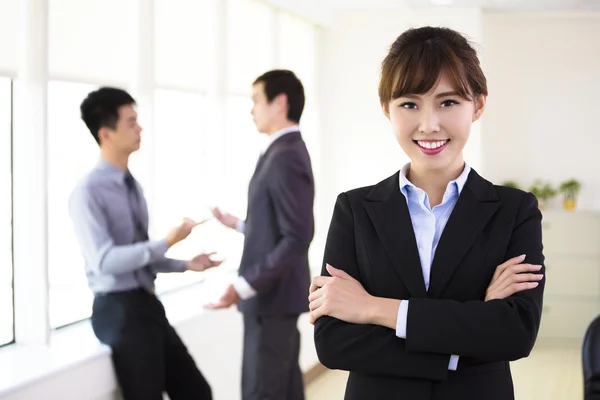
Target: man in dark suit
{"x":274,"y":278}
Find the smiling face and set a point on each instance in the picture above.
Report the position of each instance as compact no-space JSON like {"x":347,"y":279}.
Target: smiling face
{"x":433,"y":128}
{"x":432,"y":89}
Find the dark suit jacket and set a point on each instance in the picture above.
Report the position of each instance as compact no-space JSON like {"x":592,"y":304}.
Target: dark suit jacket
{"x":371,"y":238}
{"x":279,"y":229}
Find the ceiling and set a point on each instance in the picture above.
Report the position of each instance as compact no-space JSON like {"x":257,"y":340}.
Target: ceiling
{"x":498,"y":5}
{"x":324,"y":12}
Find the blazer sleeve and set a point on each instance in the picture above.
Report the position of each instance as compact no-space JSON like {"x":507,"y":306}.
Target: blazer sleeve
{"x":367,"y":349}
{"x":291,"y":192}
{"x":495,"y":330}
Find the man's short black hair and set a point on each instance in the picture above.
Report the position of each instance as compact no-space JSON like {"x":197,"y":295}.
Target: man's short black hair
{"x":280,"y":81}
{"x":100,"y":108}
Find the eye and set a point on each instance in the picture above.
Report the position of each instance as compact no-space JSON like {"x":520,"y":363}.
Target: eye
{"x":449,"y":103}
{"x":409,"y":105}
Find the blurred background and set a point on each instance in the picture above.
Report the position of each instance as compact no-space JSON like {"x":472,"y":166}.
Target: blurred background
{"x":190,"y":65}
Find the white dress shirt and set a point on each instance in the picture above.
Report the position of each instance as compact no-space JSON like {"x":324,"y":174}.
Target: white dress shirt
{"x":428,"y":225}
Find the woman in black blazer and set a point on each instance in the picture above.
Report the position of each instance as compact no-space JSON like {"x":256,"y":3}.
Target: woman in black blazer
{"x":433,"y":278}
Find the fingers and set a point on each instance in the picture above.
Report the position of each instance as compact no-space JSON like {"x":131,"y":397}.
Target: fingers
{"x":215,"y":306}
{"x":502,"y":267}
{"x":319,"y":281}
{"x":316,"y":303}
{"x":516,"y":288}
{"x":512,"y":272}
{"x":315,"y":294}
{"x":338,"y":273}
{"x":316,"y":314}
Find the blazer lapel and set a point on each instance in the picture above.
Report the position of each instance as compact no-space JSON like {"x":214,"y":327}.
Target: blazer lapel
{"x":388,"y":211}
{"x":292,"y":136}
{"x":477,"y":204}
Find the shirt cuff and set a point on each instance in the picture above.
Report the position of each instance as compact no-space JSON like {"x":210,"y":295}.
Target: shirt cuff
{"x":453,"y":364}
{"x":402,"y":319}
{"x":240,"y":226}
{"x":179,"y":265}
{"x":243,"y":288}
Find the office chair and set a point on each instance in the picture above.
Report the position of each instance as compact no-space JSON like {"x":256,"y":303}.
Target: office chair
{"x":591,"y":361}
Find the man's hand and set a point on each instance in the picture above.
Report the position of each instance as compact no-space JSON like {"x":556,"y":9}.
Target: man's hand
{"x":226,"y":219}
{"x":229,"y":298}
{"x":512,"y":277}
{"x":181,"y":231}
{"x":202,"y":262}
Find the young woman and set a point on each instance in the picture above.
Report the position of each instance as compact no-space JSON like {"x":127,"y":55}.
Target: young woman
{"x":433,"y":278}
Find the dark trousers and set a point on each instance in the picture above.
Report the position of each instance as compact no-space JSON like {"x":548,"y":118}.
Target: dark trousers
{"x":270,"y":369}
{"x":148,"y":355}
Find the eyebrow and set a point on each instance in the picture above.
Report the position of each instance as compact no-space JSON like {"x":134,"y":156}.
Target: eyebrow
{"x":447,"y":94}
{"x":437,"y":96}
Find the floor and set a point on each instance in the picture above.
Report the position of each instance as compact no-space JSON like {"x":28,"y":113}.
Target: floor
{"x":552,"y":372}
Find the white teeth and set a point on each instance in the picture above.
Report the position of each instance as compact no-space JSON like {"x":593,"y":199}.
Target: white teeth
{"x":431,"y":145}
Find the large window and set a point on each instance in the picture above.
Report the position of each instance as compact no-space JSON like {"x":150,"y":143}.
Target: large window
{"x":191,"y":77}
{"x":6,"y":264}
{"x":249,"y":43}
{"x":180,"y":173}
{"x":72,"y":152}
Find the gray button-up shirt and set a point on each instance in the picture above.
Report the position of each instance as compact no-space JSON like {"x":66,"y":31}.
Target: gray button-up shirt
{"x":104,"y":225}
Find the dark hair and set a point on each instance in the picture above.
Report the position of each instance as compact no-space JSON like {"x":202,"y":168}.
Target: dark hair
{"x":418,"y":57}
{"x":280,"y":81}
{"x":101,"y":108}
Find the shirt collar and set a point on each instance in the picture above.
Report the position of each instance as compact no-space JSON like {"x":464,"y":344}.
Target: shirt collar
{"x":458,"y":183}
{"x":111,"y":171}
{"x":280,"y":133}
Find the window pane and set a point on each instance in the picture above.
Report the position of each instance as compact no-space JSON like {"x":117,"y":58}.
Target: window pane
{"x":297,"y":50}
{"x":185,"y":35}
{"x":6,"y":265}
{"x":249,"y":43}
{"x":72,"y":153}
{"x":243,"y":145}
{"x":94,"y":40}
{"x":180,"y":178}
{"x":9,"y":34}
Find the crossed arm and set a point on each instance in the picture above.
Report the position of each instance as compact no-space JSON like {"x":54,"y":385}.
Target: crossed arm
{"x":356,"y":331}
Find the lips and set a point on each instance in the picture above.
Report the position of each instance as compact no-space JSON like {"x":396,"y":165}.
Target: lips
{"x":432,"y":147}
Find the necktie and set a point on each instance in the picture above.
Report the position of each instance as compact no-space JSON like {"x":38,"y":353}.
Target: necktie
{"x":144,"y":276}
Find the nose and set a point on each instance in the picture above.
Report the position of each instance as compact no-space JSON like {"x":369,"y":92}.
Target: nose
{"x":429,"y":121}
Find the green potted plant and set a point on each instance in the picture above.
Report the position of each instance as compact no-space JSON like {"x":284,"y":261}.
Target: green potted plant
{"x":570,"y":190}
{"x":544,"y":192}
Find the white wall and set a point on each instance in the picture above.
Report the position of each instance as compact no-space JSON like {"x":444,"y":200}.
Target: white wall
{"x":544,"y":78}
{"x":358,"y":145}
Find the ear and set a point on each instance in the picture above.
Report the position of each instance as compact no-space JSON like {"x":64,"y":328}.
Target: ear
{"x":103,"y":135}
{"x":386,"y":110}
{"x":281,"y":100}
{"x":479,"y":102}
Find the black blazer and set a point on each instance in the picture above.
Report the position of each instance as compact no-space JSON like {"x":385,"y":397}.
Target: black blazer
{"x":279,"y":229}
{"x":371,"y":237}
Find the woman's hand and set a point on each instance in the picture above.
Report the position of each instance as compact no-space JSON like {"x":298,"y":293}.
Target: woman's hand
{"x":512,"y":277}
{"x":340,"y":296}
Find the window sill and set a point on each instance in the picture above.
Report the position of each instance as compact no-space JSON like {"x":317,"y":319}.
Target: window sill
{"x":75,"y":346}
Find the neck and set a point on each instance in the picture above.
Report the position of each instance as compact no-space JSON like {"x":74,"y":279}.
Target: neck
{"x":119,"y":160}
{"x":435,"y":182}
{"x":279,"y":126}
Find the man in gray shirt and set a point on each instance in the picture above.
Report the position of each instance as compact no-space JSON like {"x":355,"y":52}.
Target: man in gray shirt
{"x":110,"y":216}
